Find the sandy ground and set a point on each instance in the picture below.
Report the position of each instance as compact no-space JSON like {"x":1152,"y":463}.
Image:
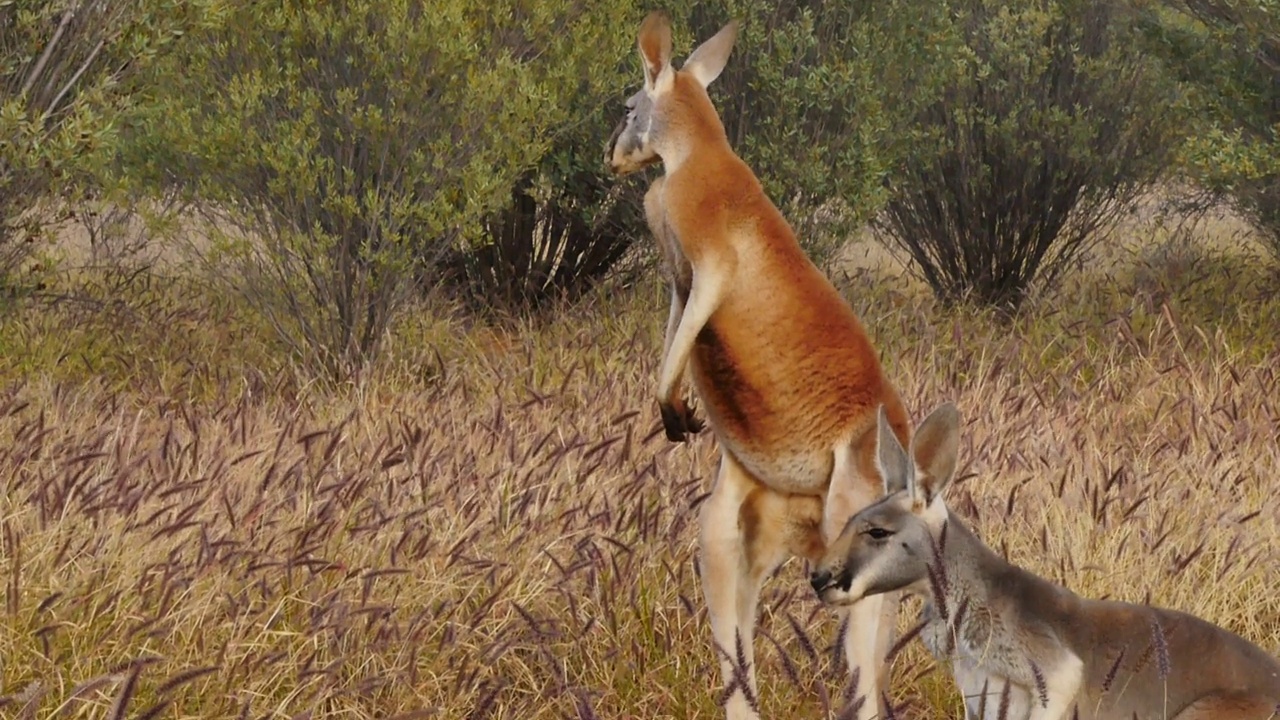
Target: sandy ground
{"x":112,"y":234}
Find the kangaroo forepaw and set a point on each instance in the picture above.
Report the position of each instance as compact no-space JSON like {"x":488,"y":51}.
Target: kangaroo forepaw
{"x":679,"y":421}
{"x":694,"y":424}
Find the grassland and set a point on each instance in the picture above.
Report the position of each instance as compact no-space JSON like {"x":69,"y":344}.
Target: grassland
{"x":491,"y":525}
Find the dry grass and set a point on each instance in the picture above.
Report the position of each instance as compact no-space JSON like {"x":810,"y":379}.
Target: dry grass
{"x":508,"y":535}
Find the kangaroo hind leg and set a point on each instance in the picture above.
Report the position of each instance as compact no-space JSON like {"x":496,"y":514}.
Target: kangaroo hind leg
{"x":739,"y":548}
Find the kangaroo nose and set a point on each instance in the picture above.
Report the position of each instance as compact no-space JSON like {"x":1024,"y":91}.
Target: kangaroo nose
{"x":820,"y":580}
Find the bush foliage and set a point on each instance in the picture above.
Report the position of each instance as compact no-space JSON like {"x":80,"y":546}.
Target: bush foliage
{"x":554,"y":240}
{"x":354,"y":153}
{"x":354,"y":144}
{"x":566,"y":221}
{"x":1227,"y":56}
{"x":1048,"y":127}
{"x":65,"y":69}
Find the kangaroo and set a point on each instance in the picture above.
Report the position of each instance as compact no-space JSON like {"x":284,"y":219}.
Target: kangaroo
{"x":785,"y":372}
{"x":1022,"y":647}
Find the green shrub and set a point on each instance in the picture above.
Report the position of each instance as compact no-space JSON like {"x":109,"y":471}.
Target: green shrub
{"x":352,"y":144}
{"x":1049,"y":126}
{"x":567,"y":221}
{"x":560,"y":234}
{"x":1227,"y":58}
{"x":64,"y":73}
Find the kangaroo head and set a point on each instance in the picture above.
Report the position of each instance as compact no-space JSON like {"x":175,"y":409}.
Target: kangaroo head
{"x":665,"y":115}
{"x":888,"y":545}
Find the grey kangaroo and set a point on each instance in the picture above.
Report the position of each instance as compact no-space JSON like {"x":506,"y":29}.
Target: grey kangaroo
{"x":1022,"y":647}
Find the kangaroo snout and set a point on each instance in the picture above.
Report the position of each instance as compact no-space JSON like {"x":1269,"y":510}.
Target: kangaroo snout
{"x":820,"y":580}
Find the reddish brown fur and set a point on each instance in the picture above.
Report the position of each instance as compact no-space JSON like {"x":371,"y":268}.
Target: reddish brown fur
{"x":799,"y":531}
{"x":784,"y":369}
{"x":803,"y":371}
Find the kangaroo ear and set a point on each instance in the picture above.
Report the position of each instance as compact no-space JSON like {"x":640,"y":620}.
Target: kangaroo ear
{"x":934,"y":447}
{"x":708,"y":60}
{"x":891,"y":460}
{"x":655,"y":47}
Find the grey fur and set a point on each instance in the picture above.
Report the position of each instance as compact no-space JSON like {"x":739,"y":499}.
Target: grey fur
{"x":635,"y":140}
{"x":628,"y":137}
{"x":1000,"y":624}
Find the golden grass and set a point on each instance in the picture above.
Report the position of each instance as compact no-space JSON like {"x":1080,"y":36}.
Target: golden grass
{"x":507,"y":534}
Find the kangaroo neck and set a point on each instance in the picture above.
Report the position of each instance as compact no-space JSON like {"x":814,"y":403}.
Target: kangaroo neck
{"x":971,"y":566}
{"x":699,"y":143}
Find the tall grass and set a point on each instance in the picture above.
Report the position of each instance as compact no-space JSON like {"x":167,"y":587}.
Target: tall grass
{"x":509,"y":535}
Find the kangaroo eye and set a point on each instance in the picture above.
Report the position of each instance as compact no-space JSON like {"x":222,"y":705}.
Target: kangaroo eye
{"x":876,"y":533}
